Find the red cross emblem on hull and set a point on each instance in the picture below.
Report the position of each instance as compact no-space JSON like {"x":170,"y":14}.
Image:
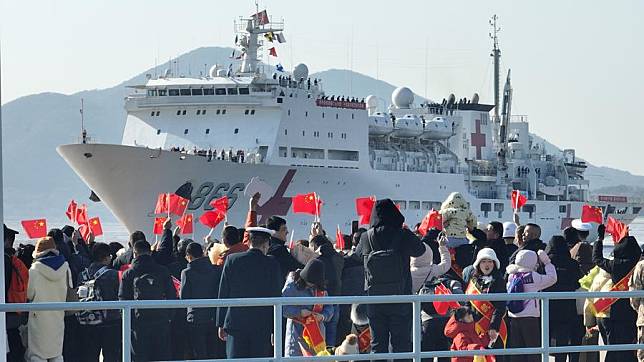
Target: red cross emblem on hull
{"x":478,"y":139}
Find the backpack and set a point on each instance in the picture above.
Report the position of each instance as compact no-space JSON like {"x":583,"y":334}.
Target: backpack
{"x":384,"y":268}
{"x":17,"y":292}
{"x":517,"y":285}
{"x":148,"y":286}
{"x":89,"y":291}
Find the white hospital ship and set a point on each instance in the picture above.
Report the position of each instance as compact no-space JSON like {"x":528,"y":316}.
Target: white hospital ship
{"x":221,"y":130}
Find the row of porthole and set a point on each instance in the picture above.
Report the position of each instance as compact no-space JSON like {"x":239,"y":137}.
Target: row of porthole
{"x":185,"y":131}
{"x":337,"y":115}
{"x":317,"y":134}
{"x":200,"y":112}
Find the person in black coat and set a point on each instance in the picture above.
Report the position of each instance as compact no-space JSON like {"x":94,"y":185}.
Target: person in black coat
{"x":125,"y":259}
{"x":200,"y":280}
{"x":565,"y":324}
{"x":150,"y":327}
{"x":390,"y":323}
{"x":532,"y":241}
{"x":278,"y":249}
{"x":620,"y":327}
{"x":494,"y":234}
{"x":250,"y":274}
{"x":333,"y":264}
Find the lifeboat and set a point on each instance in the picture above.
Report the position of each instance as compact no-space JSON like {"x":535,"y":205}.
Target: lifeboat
{"x":380,"y":124}
{"x":408,"y":125}
{"x":439,"y":128}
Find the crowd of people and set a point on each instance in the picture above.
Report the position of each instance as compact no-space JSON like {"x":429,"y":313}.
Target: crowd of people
{"x":388,"y":258}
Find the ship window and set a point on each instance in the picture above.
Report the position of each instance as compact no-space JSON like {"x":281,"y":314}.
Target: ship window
{"x":236,"y":130}
{"x":252,"y":112}
{"x":312,"y":153}
{"x":152,"y":114}
{"x":486,"y":207}
{"x":427,"y":205}
{"x":343,"y":155}
{"x":563,"y":209}
{"x":232,"y":91}
{"x":220,"y":91}
{"x":280,"y":100}
{"x":636,"y":210}
{"x":162,"y":92}
{"x":289,"y":112}
{"x":203,"y":111}
{"x":185,"y":92}
{"x":499,"y":207}
{"x":152,"y":92}
{"x":173,"y":92}
{"x":246,"y":112}
{"x":178,"y":112}
{"x":322,"y":114}
{"x":158,"y":113}
{"x":414,"y":205}
{"x":218,"y":111}
{"x":285,"y":132}
{"x":198,"y":112}
{"x":207,"y":130}
{"x":337,"y":116}
{"x":185,"y":131}
{"x":306,"y":114}
{"x":208,"y":91}
{"x":282,"y":151}
{"x":530,"y":209}
{"x":352,"y":116}
{"x":244,"y":91}
{"x":197,"y":92}
{"x":184,"y":112}
{"x":223,"y":111}
{"x":402,"y":205}
{"x":158,"y":131}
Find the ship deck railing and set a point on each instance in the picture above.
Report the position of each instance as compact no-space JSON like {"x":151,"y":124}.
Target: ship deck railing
{"x":415,"y":354}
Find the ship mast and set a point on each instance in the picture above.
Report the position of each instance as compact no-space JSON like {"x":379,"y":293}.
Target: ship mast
{"x":249,"y":31}
{"x":496,"y":54}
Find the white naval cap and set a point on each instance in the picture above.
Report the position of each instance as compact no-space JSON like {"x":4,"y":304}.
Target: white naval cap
{"x":259,"y":229}
{"x":581,"y":226}
{"x":509,"y":229}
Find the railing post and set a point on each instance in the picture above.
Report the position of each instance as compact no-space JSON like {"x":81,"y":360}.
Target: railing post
{"x":416,"y":330}
{"x":277,"y":332}
{"x":545,"y":329}
{"x":127,"y":334}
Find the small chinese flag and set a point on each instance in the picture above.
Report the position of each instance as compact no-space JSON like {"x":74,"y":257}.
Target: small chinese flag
{"x":433,"y":219}
{"x":71,"y":211}
{"x":158,"y":225}
{"x":162,"y":204}
{"x":176,"y":283}
{"x":591,"y":214}
{"x":185,"y":224}
{"x":443,"y":307}
{"x":272,"y":51}
{"x":220,"y":204}
{"x":617,"y":229}
{"x":212,"y":218}
{"x":518,"y":199}
{"x":339,"y":239}
{"x":81,"y":215}
{"x":364,"y":207}
{"x":35,"y":228}
{"x":177,"y":204}
{"x":307,"y":204}
{"x":95,"y":226}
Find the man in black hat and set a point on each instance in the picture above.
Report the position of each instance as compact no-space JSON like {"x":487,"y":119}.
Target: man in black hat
{"x":250,"y":274}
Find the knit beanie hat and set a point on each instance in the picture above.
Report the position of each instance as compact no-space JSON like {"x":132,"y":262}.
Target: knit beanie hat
{"x":526,"y":261}
{"x":487,"y":253}
{"x":313,"y":273}
{"x":43,"y":246}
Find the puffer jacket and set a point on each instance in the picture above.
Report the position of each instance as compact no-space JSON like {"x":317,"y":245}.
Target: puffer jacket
{"x":200,"y":280}
{"x":568,"y":275}
{"x":600,"y":282}
{"x":464,"y":338}
{"x":533,"y":282}
{"x":637,"y":283}
{"x":422,"y":268}
{"x":457,"y":216}
{"x":333,"y":264}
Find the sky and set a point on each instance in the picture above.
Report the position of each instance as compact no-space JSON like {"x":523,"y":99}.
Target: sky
{"x":576,"y":66}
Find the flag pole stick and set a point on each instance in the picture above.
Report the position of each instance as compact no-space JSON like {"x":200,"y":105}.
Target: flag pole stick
{"x":167,"y":200}
{"x":317,"y":208}
{"x":290,"y":243}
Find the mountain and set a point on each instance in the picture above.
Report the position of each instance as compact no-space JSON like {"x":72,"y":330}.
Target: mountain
{"x":37,"y":181}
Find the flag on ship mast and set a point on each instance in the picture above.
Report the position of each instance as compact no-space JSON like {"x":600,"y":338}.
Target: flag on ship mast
{"x":272,"y":52}
{"x":269,"y":36}
{"x":279,"y":67}
{"x":280,"y":38}
{"x":262,"y":17}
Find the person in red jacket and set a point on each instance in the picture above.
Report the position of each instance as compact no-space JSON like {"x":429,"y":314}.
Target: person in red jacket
{"x":461,"y":328}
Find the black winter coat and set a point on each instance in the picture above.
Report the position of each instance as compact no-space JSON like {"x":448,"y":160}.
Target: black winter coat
{"x":108,"y":284}
{"x":333,"y":264}
{"x":200,"y":280}
{"x":534,"y":245}
{"x":568,"y":275}
{"x":286,"y":261}
{"x":626,"y":254}
{"x":353,"y":276}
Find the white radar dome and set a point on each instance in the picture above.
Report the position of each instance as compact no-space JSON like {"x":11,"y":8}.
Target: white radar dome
{"x":372,"y":102}
{"x":301,"y":71}
{"x":402,"y":97}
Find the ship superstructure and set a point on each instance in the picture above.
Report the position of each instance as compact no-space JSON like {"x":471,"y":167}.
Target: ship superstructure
{"x":220,"y":130}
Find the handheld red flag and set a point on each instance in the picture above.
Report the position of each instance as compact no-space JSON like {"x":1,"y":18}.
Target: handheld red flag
{"x":339,"y":239}
{"x":81,"y":215}
{"x":71,"y":211}
{"x":212,"y":218}
{"x":220,"y":204}
{"x":177,"y":204}
{"x":95,"y":226}
{"x":433,"y":219}
{"x":176,"y":283}
{"x":364,"y":207}
{"x":35,"y":228}
{"x":617,"y":229}
{"x":84,"y":230}
{"x":307,"y":204}
{"x":185,"y":224}
{"x":162,"y":204}
{"x":443,"y":307}
{"x":158,"y":225}
{"x":518,"y":199}
{"x":591,"y":214}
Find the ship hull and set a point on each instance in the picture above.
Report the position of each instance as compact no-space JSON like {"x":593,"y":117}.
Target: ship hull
{"x":128,"y":180}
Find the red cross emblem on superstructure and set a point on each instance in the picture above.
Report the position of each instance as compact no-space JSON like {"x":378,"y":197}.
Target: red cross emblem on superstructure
{"x":478,"y":139}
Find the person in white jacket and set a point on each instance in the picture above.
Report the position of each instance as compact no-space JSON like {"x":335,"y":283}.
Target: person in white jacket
{"x":422,"y":267}
{"x":524,"y":321}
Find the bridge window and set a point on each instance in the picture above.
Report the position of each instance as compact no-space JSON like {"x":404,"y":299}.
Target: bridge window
{"x":232,"y":91}
{"x":343,"y":155}
{"x":185,"y":92}
{"x":244,"y":91}
{"x":209,"y":91}
{"x":197,"y":92}
{"x":162,"y":92}
{"x":220,"y":91}
{"x":185,"y":131}
{"x":173,"y":92}
{"x":152,"y":92}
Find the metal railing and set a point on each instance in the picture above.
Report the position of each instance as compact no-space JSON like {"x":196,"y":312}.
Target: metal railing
{"x":416,"y":354}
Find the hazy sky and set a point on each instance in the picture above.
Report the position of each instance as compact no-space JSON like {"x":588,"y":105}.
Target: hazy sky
{"x":576,"y":66}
